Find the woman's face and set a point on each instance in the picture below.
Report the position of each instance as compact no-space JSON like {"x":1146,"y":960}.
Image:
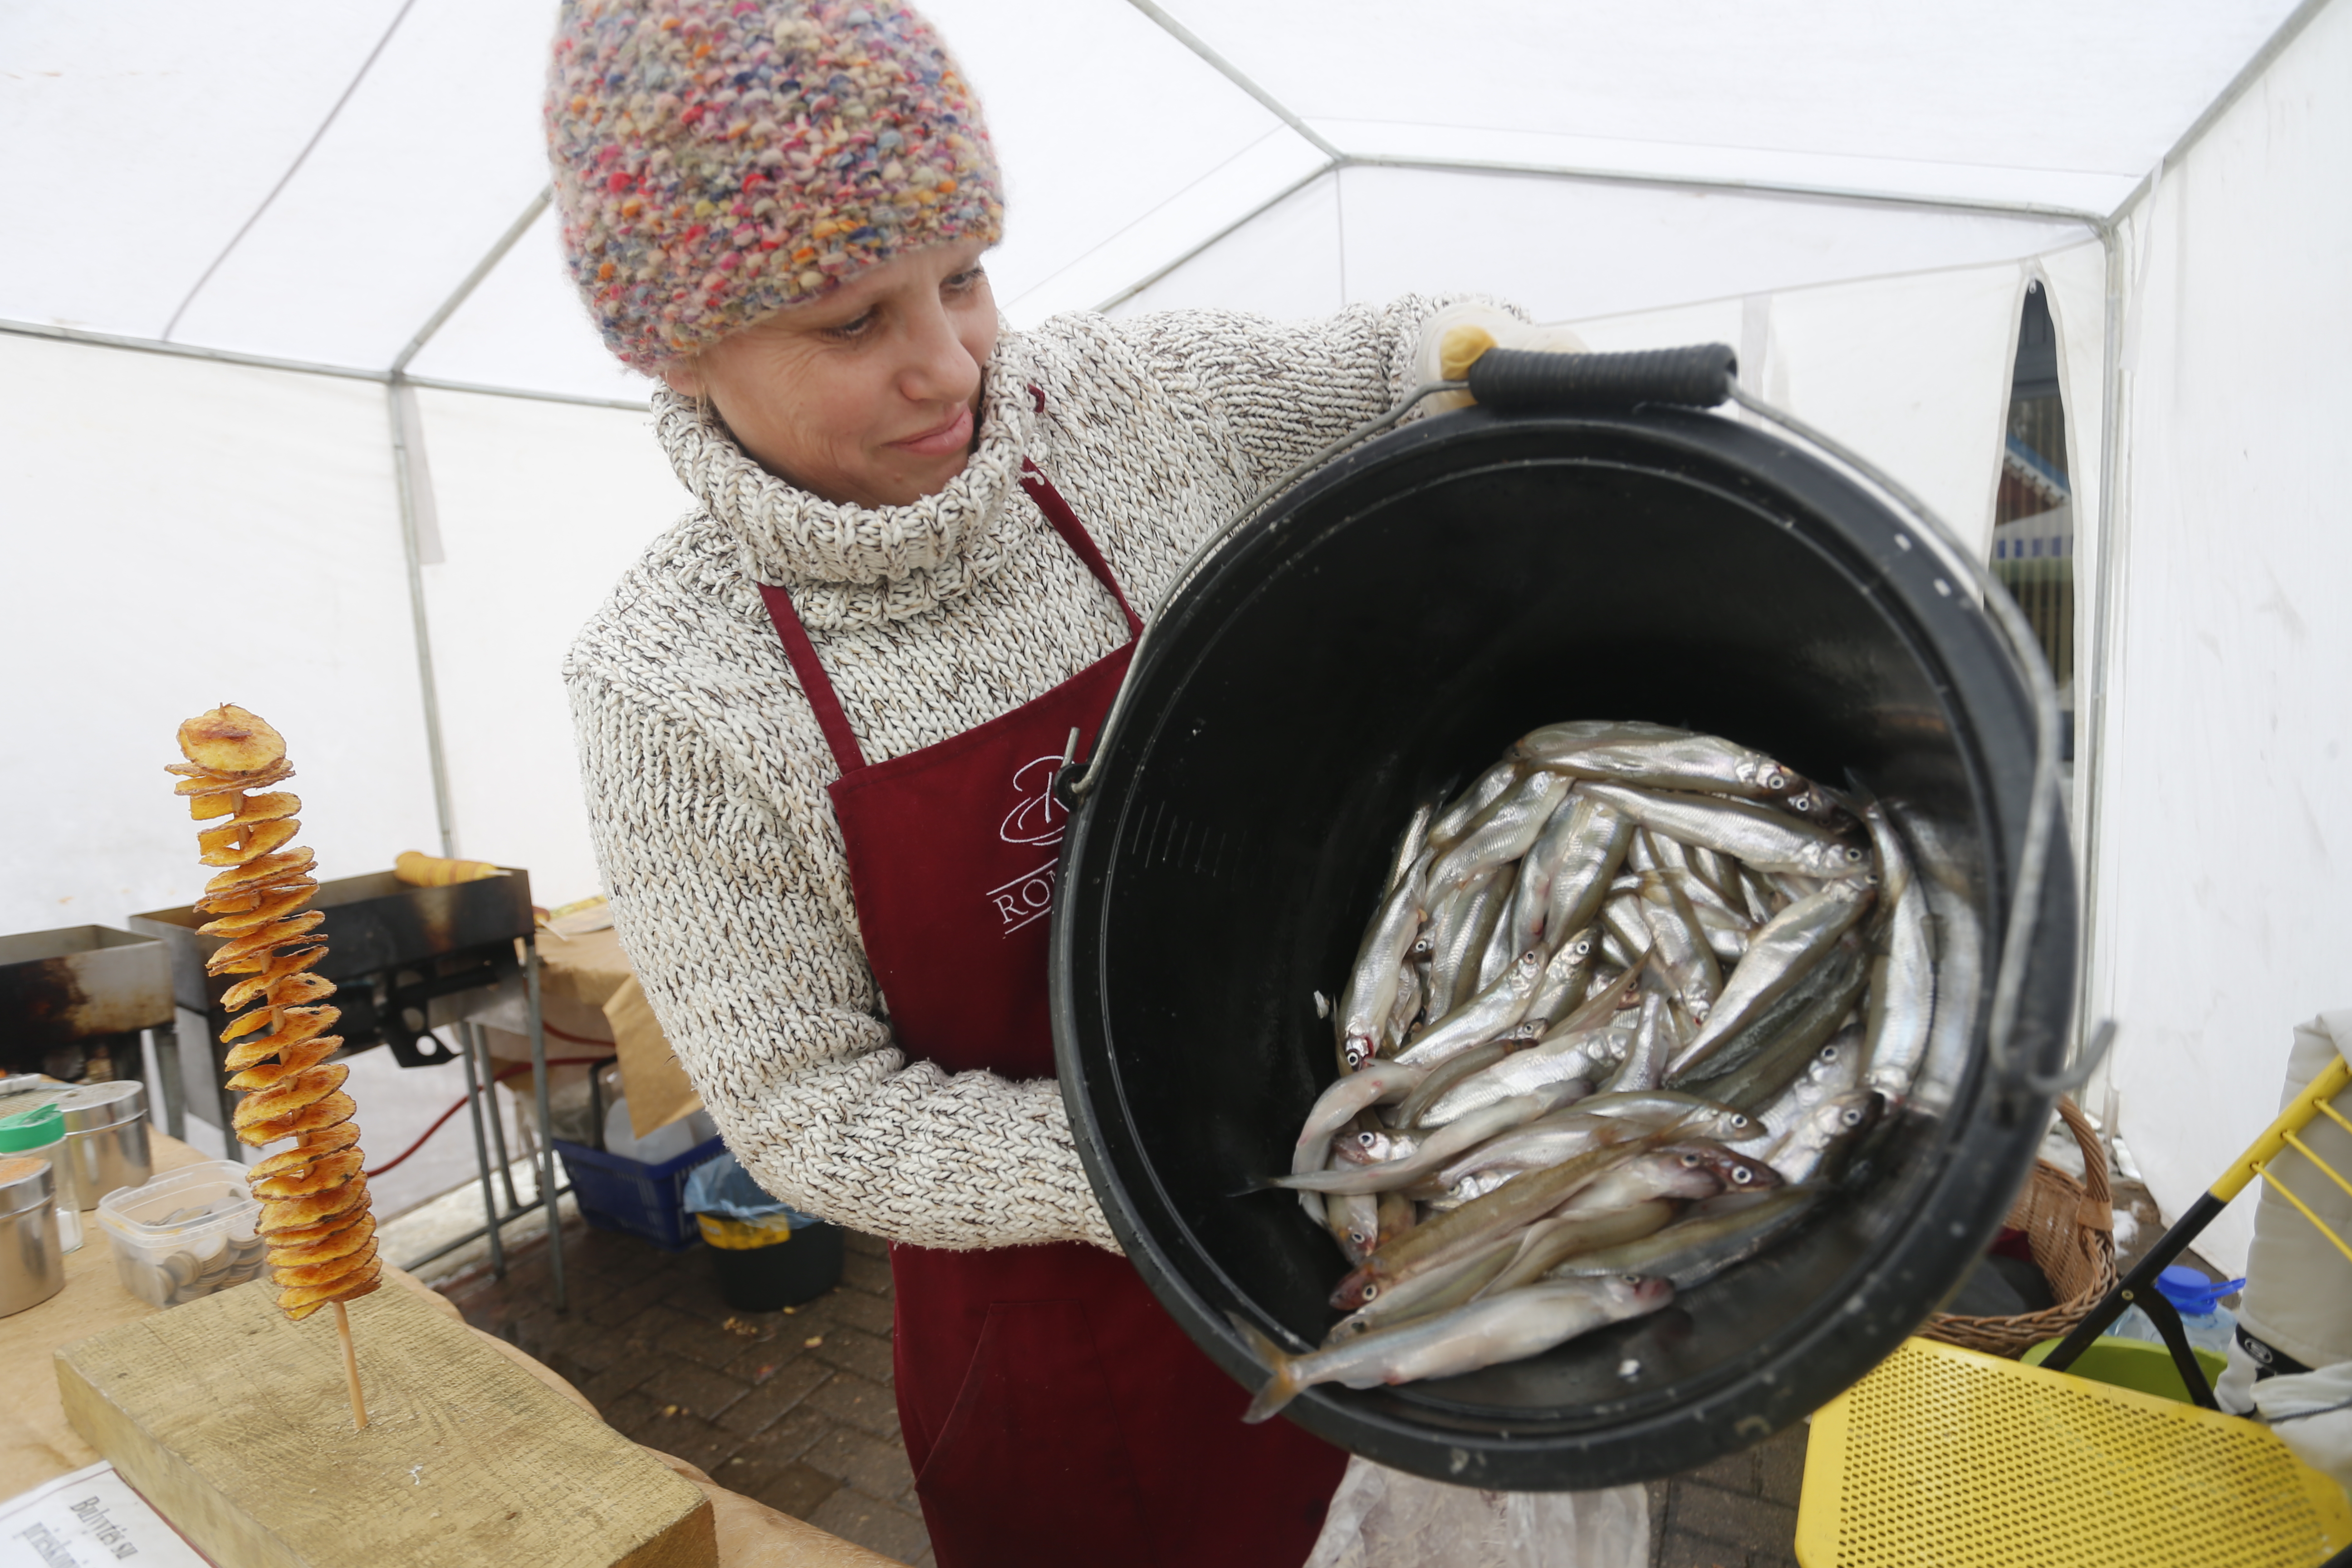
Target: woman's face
{"x":870,"y":395}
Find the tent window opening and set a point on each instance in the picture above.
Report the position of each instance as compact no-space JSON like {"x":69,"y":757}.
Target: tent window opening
{"x":2034,"y":512}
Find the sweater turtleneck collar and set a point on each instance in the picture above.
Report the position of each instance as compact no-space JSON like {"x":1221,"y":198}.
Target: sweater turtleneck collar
{"x":851,"y":565}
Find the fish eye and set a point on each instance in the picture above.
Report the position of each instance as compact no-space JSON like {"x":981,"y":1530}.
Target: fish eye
{"x":1742,"y":1176}
{"x":1359,"y":1238}
{"x":1692,"y":1162}
{"x":1371,"y":1291}
{"x":1369,"y":1140}
{"x":1738,"y":1119}
{"x":1851,"y":1118}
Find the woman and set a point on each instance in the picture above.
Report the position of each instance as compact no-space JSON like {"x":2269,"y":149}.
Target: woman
{"x":818,"y":720}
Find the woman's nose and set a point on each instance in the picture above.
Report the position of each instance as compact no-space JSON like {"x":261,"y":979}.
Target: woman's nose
{"x":939,"y":368}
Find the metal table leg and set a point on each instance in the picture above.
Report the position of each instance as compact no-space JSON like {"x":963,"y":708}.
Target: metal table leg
{"x":478,"y":1043}
{"x":474,"y":1097}
{"x":167,"y":1042}
{"x":546,"y":1123}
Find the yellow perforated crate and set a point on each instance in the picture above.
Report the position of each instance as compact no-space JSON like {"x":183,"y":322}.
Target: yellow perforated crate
{"x":1946,"y":1458}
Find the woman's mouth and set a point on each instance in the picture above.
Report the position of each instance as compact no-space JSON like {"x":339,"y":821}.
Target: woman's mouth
{"x":952,"y":436}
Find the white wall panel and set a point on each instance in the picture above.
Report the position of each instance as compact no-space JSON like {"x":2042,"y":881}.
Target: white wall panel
{"x":541,"y":507}
{"x":2227,"y":817}
{"x":178,"y":534}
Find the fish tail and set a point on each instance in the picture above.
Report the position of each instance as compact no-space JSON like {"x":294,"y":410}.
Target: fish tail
{"x":1281,"y":1388}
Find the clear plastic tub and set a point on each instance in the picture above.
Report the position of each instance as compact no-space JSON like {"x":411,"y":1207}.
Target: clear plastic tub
{"x":184,"y":1234}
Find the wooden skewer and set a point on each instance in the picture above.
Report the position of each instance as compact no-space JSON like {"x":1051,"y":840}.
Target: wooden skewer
{"x":350,"y":1365}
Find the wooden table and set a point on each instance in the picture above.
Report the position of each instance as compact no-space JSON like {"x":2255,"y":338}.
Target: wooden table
{"x":36,"y":1444}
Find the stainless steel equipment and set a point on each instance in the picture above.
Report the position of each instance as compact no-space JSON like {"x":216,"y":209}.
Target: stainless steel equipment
{"x":106,"y":1141}
{"x":74,"y":1000}
{"x":32,"y":1268}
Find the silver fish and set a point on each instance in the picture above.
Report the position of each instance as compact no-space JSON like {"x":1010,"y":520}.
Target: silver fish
{"x":1591,"y":1055}
{"x":1565,"y":979}
{"x":1354,"y":1222}
{"x":1570,"y":734}
{"x":1903,"y":982}
{"x":1756,"y":835}
{"x":1721,"y":876}
{"x":1372,"y":1145}
{"x":1713,"y":1236}
{"x":1761,"y":900}
{"x":1754,"y":1063}
{"x":1410,"y":845}
{"x":1448,"y":1073}
{"x":1500,"y":952}
{"x":1681,"y":944}
{"x":1642,"y":855}
{"x":1538,"y":867}
{"x":1597,"y":841}
{"x":1487,"y":1015}
{"x":1804,"y":1149}
{"x":1510,"y":1326}
{"x":1382,"y":1083}
{"x":1835,"y":1070}
{"x":1599,"y":1009}
{"x":1548,"y":1243}
{"x":1413,"y":989}
{"x":1695,"y":1117}
{"x":1459,"y":939}
{"x":1620,"y":917}
{"x":1463,"y":809}
{"x":1782,"y":953}
{"x":1502,"y":832}
{"x":1435,"y":1149}
{"x":1547,"y":1141}
{"x":1682,"y":1170}
{"x":1702,"y":762}
{"x":1434,"y":1292}
{"x":1654,"y":1041}
{"x":1372,"y":980}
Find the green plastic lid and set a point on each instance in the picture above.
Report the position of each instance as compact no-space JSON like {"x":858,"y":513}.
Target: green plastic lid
{"x":31,"y":1129}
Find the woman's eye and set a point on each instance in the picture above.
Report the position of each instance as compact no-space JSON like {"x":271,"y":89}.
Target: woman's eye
{"x":855,"y":327}
{"x":963,"y":282}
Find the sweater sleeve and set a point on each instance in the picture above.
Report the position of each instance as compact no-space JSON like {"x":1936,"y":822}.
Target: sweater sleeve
{"x":1285,"y":389}
{"x":738,"y":923}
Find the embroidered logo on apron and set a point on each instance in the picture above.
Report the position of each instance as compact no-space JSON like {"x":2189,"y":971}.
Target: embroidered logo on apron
{"x":1035,"y":820}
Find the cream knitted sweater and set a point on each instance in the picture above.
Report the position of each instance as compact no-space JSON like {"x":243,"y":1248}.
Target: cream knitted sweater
{"x":706,"y":772}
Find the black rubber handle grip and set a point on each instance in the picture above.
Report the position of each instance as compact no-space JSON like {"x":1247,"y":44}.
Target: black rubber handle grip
{"x":1699,"y":376}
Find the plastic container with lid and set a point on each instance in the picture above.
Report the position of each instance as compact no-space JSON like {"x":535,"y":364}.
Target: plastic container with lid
{"x":32,"y":1268}
{"x":184,"y":1234}
{"x":41,"y":1132}
{"x":106,"y":1124}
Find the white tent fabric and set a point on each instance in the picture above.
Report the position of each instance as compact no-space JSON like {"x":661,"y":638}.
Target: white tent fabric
{"x":1853,"y":195}
{"x":2225,"y":809}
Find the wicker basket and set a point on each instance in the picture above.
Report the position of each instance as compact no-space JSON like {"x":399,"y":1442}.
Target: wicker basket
{"x":2070,"y":1227}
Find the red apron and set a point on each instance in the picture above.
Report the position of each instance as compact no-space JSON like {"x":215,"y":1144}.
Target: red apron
{"x":1053,"y":1412}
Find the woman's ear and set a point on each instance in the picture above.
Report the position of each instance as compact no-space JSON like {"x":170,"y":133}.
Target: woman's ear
{"x":684,"y":377}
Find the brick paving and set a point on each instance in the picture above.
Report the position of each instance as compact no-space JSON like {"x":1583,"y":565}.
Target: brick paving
{"x":795,"y":1409}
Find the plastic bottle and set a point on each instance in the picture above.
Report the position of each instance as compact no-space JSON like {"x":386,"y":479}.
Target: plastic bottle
{"x":2208,"y":1325}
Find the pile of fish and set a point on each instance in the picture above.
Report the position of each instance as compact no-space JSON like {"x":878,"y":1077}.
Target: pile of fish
{"x":1625,"y":1001}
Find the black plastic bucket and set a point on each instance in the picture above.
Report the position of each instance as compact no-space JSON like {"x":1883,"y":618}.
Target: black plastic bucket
{"x":800,"y":1264}
{"x":1384,"y":630}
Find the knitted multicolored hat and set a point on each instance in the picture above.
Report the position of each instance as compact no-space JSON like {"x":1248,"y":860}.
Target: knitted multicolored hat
{"x":719,"y":160}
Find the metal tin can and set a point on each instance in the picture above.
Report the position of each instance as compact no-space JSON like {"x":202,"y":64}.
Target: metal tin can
{"x":106,"y":1135}
{"x":32,"y":1268}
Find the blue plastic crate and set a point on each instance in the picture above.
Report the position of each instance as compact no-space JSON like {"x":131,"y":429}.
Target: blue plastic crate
{"x":616,"y":1192}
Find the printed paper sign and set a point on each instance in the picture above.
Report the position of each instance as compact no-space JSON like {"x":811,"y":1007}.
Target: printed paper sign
{"x":87,"y":1520}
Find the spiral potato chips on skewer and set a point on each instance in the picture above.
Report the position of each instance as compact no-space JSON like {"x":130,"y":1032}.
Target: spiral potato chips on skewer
{"x":314,"y":1196}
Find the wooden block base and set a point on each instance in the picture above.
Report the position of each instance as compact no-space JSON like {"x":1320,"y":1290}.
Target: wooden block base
{"x":236,"y":1426}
